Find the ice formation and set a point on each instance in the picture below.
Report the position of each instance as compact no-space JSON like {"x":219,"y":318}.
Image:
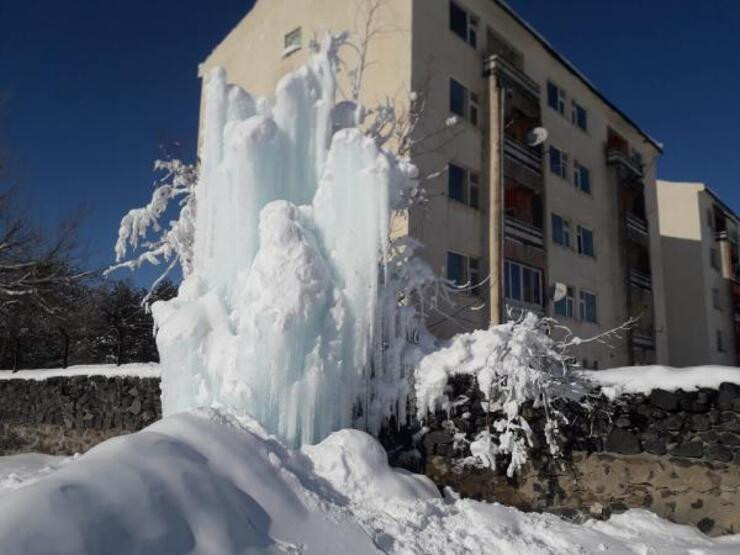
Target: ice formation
{"x":291,"y":309}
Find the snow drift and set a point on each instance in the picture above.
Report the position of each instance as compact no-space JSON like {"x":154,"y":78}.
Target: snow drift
{"x":212,"y":482}
{"x":289,"y":311}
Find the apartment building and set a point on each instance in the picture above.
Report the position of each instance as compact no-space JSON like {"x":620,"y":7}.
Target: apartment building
{"x":699,"y":246}
{"x":567,"y":228}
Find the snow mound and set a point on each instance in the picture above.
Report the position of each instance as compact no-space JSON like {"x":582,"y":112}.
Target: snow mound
{"x":137,"y":370}
{"x":357,"y":465}
{"x":215,"y":482}
{"x":643,"y":379}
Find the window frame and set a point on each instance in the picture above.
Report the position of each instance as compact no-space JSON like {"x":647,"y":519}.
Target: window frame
{"x":565,"y":230}
{"x":578,"y":177}
{"x":470,"y":101}
{"x":569,"y":302}
{"x":470,"y":185}
{"x":471,"y":272}
{"x":575,"y":106}
{"x":582,"y":308}
{"x":715,"y":260}
{"x":472,"y":23}
{"x":580,"y":242}
{"x":289,"y":47}
{"x":716,"y":302}
{"x":533,"y":286}
{"x":563,"y":164}
{"x":561,"y":98}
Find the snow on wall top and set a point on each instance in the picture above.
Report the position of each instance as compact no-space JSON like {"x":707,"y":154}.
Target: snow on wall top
{"x":643,"y":379}
{"x":136,"y":370}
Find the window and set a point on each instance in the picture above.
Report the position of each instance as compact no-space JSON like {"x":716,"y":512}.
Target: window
{"x":587,"y":307}
{"x":456,"y":268}
{"x":464,"y":270}
{"x":473,"y":195}
{"x":456,"y":183}
{"x":566,"y":306}
{"x":715,"y":299}
{"x":522,"y":283}
{"x":474,"y":276}
{"x":463,"y":185}
{"x":582,"y":177}
{"x":473,"y":109}
{"x":720,"y":342}
{"x":292,"y":41}
{"x":464,"y":24}
{"x":579,"y":116}
{"x":710,"y":218}
{"x":558,"y":162}
{"x":561,"y":230}
{"x":585,"y":241}
{"x":714,"y":258}
{"x":556,"y":98}
{"x":463,"y":102}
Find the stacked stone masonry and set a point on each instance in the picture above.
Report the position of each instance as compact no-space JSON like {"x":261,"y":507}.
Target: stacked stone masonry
{"x":67,"y":415}
{"x":674,"y":453}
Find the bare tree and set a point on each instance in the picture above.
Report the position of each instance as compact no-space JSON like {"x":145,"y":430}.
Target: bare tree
{"x":32,"y":267}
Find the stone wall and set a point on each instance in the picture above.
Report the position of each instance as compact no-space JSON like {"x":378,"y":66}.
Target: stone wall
{"x":675,"y":453}
{"x":67,"y":415}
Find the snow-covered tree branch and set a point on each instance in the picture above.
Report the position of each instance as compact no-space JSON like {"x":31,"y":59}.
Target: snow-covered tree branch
{"x":142,"y":234}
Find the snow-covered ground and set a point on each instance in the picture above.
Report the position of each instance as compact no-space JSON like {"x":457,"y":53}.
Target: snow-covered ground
{"x":212,"y":482}
{"x":643,"y":379}
{"x":139,"y":369}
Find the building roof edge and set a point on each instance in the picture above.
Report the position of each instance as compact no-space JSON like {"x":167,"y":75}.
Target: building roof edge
{"x":576,"y":72}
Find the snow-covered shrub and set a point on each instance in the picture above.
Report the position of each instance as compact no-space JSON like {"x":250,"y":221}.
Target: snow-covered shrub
{"x":514,"y":364}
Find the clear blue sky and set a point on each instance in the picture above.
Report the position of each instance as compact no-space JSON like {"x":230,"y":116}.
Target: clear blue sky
{"x":95,"y":88}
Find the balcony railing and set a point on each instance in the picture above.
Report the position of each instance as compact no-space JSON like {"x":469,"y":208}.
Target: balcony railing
{"x":636,"y":223}
{"x":505,"y":68}
{"x":643,"y":340}
{"x":618,"y":156}
{"x":522,"y":154}
{"x":641,"y":280}
{"x":522,"y":231}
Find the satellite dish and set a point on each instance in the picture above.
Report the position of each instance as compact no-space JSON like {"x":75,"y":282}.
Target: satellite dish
{"x":536,"y":136}
{"x":560,"y":290}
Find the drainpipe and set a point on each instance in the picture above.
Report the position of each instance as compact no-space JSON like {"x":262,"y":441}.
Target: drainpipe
{"x":497,"y":98}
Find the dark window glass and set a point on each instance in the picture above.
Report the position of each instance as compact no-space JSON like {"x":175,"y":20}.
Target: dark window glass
{"x":458,"y":95}
{"x":456,"y":268}
{"x":458,"y":21}
{"x":557,"y":230}
{"x":552,"y":96}
{"x":580,"y":117}
{"x":555,"y":160}
{"x":516,"y":282}
{"x":456,"y":183}
{"x":527,"y":281}
{"x":474,"y":201}
{"x":536,"y":288}
{"x":507,"y":280}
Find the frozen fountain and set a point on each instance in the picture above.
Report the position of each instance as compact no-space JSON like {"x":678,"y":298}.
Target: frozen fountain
{"x":291,"y":310}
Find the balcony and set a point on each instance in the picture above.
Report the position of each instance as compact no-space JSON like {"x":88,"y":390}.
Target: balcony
{"x":524,"y":232}
{"x":528,"y":157}
{"x":617,"y":156}
{"x":504,"y":68}
{"x":636,"y":223}
{"x":643,"y":340}
{"x":641,"y":280}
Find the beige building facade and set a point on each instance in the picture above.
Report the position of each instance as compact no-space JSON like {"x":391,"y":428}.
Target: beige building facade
{"x":699,"y":245}
{"x":568,"y":228}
